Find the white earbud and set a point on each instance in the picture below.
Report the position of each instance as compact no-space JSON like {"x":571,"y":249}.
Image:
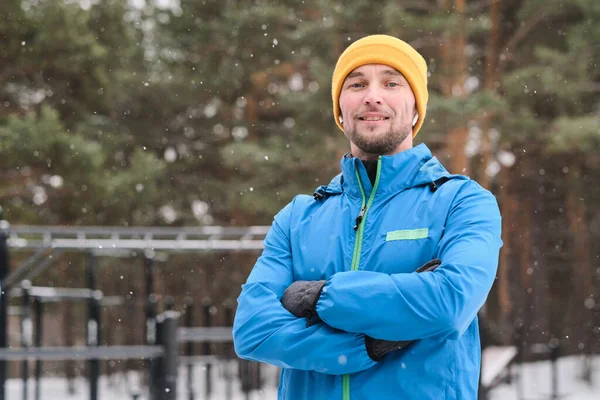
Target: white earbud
{"x":341,"y":120}
{"x":415,"y":119}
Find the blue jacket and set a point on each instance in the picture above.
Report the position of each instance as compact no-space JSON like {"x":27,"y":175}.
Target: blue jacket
{"x":372,"y":287}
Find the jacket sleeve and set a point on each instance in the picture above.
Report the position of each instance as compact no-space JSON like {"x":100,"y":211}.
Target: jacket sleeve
{"x":263,"y":330}
{"x":414,"y":306}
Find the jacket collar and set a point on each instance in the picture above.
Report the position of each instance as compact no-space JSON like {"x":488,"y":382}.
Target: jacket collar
{"x":406,"y":169}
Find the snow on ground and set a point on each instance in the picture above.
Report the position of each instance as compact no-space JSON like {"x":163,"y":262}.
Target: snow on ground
{"x":123,"y":386}
{"x":535,"y":378}
{"x":536,"y":381}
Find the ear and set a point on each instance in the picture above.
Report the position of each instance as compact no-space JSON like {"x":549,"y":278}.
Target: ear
{"x":416,"y":118}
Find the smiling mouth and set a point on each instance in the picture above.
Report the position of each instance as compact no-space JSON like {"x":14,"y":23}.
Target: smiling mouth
{"x":373,"y":118}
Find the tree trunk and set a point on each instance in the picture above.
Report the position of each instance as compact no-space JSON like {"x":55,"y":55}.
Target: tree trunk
{"x":580,"y":244}
{"x":507,"y":201}
{"x":453,"y":83}
{"x":490,"y":80}
{"x":508,"y":205}
{"x":530,"y":277}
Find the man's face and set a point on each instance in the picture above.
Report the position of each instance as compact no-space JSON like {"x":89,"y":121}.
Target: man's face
{"x":377,"y":106}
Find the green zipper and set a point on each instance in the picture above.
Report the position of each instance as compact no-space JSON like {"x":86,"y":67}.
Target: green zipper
{"x":358,"y":247}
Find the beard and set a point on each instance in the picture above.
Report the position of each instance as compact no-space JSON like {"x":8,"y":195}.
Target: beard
{"x":380,"y":144}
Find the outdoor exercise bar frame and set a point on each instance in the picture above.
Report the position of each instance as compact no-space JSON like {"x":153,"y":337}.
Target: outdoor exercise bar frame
{"x":50,"y":242}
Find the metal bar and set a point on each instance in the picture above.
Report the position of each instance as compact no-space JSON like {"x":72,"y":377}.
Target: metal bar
{"x":35,"y":270}
{"x":68,"y":334}
{"x":228,"y":355}
{"x":15,"y":276}
{"x":4,"y":270}
{"x":170,"y":362}
{"x":215,"y":334}
{"x":93,"y":327}
{"x":256,"y":376}
{"x":108,"y":301}
{"x":151,"y":327}
{"x":150,"y":230}
{"x":150,"y":302}
{"x":200,"y":359}
{"x":68,"y":295}
{"x":155,"y":371}
{"x":26,"y":335}
{"x":188,"y":245}
{"x":58,"y":294}
{"x":189,"y":347}
{"x":207,"y":304}
{"x":37,"y":342}
{"x":62,"y":353}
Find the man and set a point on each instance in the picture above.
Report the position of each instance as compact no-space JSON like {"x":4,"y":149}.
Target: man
{"x":349,"y":297}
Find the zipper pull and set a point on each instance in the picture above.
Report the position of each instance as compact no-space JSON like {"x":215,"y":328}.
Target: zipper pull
{"x":360,"y":217}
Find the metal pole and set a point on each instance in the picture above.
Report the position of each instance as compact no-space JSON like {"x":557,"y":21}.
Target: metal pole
{"x":4,"y":269}
{"x":244,"y":376}
{"x":168,"y":340}
{"x":93,"y":333}
{"x":26,"y":334}
{"x":38,"y":309}
{"x":256,"y":376}
{"x":189,"y":346}
{"x":151,"y":328}
{"x":69,"y":341}
{"x":228,"y":354}
{"x":206,"y":305}
{"x":155,"y":371}
{"x":150,"y":303}
{"x":156,"y":385}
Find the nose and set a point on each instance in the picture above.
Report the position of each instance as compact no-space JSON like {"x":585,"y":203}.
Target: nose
{"x":372,"y":95}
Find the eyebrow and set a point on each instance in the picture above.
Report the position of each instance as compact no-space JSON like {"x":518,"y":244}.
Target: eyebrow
{"x":391,"y":72}
{"x":357,"y":74}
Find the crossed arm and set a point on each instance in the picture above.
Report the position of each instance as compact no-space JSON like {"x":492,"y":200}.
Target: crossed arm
{"x":265,"y":331}
{"x":419,"y":306}
{"x":401,"y":307}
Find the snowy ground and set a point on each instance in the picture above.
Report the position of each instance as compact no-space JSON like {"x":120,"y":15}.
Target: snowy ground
{"x":537,"y":383}
{"x":536,"y":379}
{"x":123,"y":386}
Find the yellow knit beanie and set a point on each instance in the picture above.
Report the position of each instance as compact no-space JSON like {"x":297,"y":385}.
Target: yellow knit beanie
{"x":390,"y":51}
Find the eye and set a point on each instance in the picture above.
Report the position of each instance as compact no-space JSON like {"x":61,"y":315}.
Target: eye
{"x":393,"y":84}
{"x":355,"y":85}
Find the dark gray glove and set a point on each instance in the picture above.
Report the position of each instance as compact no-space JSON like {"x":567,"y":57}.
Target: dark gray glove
{"x":301,"y":297}
{"x":378,"y":348}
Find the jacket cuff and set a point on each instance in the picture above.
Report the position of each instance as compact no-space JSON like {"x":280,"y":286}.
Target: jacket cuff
{"x":314,"y":293}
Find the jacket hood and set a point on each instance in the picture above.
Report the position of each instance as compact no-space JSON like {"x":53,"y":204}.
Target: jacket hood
{"x":410,"y":168}
{"x":334,"y":187}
